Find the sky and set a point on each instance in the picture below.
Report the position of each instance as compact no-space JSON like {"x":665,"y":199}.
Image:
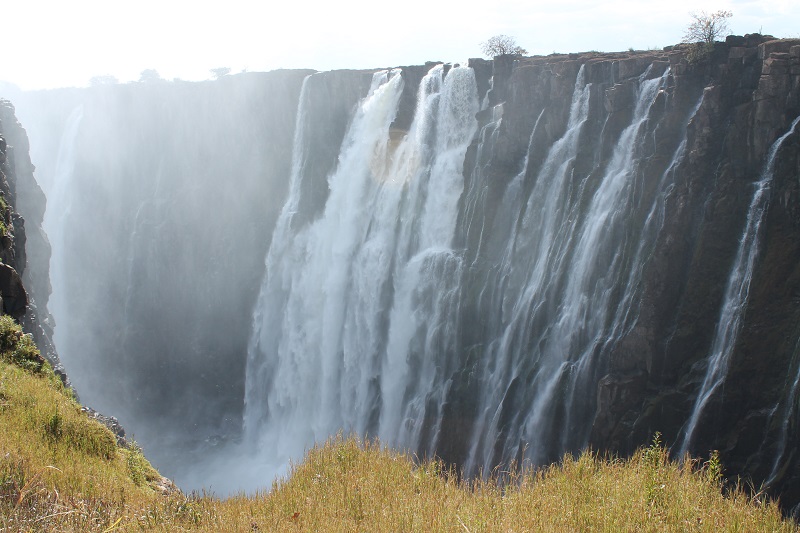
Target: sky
{"x":50,"y":43}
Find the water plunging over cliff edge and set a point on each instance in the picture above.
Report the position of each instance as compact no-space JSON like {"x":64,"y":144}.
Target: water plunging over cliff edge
{"x":347,"y":297}
{"x":558,"y":295}
{"x":499,"y":261}
{"x":736,"y":292}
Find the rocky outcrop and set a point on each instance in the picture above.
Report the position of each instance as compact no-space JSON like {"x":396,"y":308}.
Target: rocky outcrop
{"x":110,"y":422}
{"x":15,"y":299}
{"x":24,"y":277}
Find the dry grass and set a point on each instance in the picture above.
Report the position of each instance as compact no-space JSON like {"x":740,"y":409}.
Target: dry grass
{"x":350,"y":486}
{"x":60,"y":471}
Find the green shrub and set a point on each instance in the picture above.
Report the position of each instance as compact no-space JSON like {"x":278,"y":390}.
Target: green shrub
{"x":699,"y":52}
{"x":10,"y":333}
{"x":713,"y":468}
{"x":139,"y":468}
{"x":4,"y":211}
{"x":19,"y":348}
{"x":54,"y":427}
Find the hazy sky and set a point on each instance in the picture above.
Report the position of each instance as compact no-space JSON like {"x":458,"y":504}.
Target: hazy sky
{"x":49,"y":43}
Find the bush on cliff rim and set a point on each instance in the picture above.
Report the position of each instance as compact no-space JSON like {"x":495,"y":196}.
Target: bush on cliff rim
{"x":19,"y":349}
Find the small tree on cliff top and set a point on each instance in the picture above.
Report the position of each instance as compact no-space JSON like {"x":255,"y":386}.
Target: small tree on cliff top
{"x":502,"y":45}
{"x":704,"y":30}
{"x":707,"y":27}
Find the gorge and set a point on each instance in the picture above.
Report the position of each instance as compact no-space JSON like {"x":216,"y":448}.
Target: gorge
{"x":495,"y":261}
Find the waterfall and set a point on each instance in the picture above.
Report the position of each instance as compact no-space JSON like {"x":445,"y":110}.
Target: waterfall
{"x":244,"y":268}
{"x":422,"y":329}
{"x":654,"y":223}
{"x":549,"y":188}
{"x":358,"y":321}
{"x":736,"y":292}
{"x":349,"y":297}
{"x":561,"y":268}
{"x":296,"y":336}
{"x":789,"y":410}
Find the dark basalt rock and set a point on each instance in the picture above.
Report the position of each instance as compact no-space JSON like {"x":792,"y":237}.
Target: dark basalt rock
{"x":15,"y":299}
{"x":648,"y":381}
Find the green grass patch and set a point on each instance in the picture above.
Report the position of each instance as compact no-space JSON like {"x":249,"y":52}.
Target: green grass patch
{"x":139,"y":468}
{"x":5,"y":212}
{"x":19,"y":349}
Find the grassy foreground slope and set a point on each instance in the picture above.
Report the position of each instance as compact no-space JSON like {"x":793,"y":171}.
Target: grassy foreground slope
{"x":62,"y":471}
{"x":59,"y":469}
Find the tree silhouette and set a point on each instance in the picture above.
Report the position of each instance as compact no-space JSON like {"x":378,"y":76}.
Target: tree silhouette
{"x":707,"y":27}
{"x":502,"y":45}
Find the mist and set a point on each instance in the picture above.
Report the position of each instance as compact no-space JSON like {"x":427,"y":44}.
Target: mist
{"x":161,"y":203}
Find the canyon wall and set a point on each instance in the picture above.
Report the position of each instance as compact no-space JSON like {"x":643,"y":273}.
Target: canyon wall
{"x":495,"y":261}
{"x":671,"y":242}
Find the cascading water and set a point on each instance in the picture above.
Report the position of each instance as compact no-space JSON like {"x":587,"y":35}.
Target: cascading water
{"x":736,"y":293}
{"x":560,"y":272}
{"x":353,"y":303}
{"x":550,"y":185}
{"x":789,"y":410}
{"x":654,"y":223}
{"x":362,"y":306}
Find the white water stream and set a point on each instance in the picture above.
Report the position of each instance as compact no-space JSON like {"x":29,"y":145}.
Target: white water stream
{"x":350,"y":301}
{"x":736,"y":292}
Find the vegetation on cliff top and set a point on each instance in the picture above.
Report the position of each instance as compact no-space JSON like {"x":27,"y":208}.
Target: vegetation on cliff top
{"x":61,"y":471}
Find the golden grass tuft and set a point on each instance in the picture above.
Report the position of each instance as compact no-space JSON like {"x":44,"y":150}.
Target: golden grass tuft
{"x":347,"y":485}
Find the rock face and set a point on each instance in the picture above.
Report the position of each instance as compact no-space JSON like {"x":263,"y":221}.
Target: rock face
{"x":747,"y":104}
{"x":747,"y":93}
